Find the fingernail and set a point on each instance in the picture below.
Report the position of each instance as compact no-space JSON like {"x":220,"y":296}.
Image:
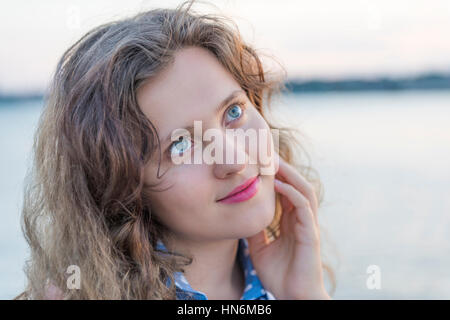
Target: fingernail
{"x":277,"y":182}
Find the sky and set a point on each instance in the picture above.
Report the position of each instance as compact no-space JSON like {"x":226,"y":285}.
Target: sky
{"x":311,"y":39}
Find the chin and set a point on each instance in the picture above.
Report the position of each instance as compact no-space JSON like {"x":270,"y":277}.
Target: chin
{"x":257,"y":215}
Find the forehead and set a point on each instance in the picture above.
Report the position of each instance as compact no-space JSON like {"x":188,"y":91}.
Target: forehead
{"x":187,"y":90}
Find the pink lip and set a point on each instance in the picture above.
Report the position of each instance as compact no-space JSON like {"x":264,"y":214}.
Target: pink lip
{"x":245,"y":191}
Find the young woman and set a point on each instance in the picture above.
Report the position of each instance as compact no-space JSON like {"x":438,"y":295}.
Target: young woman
{"x":105,"y":195}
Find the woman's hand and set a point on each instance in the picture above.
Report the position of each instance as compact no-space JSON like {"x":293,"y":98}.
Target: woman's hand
{"x":290,"y":267}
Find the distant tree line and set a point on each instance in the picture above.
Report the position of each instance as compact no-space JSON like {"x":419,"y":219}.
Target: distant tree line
{"x":426,"y":81}
{"x":422,"y":82}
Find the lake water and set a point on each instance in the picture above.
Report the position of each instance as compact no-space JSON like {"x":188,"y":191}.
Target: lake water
{"x":384,"y":160}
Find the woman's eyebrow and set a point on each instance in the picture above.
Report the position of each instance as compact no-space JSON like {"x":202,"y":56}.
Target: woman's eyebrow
{"x":223,"y":104}
{"x":228,"y":99}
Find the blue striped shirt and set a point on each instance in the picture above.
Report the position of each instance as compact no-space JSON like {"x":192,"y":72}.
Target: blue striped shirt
{"x":254,"y":289}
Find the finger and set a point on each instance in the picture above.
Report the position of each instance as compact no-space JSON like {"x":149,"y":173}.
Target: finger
{"x":302,"y":207}
{"x":286,"y":204}
{"x":303,"y":214}
{"x":294,"y":178}
{"x":287,"y":218}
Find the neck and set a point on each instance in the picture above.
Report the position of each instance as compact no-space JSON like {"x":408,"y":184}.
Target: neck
{"x":215,"y":269}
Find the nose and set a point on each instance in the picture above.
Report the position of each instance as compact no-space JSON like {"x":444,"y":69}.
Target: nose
{"x":235,"y":159}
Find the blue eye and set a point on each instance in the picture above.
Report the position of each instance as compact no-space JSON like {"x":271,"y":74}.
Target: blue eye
{"x":179,"y":147}
{"x":235,"y":112}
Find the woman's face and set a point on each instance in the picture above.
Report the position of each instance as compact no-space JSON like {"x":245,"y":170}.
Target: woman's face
{"x":186,"y":201}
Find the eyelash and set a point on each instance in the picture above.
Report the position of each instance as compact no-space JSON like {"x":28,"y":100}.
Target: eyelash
{"x":240,"y":103}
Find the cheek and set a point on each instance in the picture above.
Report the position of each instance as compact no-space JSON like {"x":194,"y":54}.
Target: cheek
{"x":181,"y":194}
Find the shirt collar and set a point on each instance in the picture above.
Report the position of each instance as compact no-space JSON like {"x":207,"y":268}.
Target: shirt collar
{"x":254,"y":289}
